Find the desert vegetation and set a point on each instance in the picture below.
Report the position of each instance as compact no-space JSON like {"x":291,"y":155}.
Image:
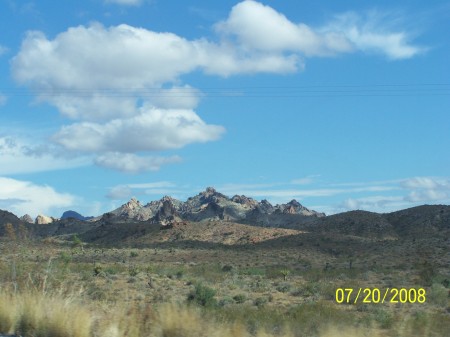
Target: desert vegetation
{"x":65,"y":287}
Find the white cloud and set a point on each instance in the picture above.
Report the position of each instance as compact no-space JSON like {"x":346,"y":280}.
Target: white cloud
{"x":152,"y":130}
{"x":426,"y":183}
{"x":374,"y":33}
{"x":413,"y":191}
{"x":123,"y":80}
{"x":19,"y":156}
{"x":120,"y":192}
{"x":372,"y":203}
{"x":262,"y":28}
{"x":259,"y":27}
{"x":125,"y":191}
{"x":131,"y":163}
{"x":125,"y":2}
{"x":21,"y":197}
{"x":426,"y":189}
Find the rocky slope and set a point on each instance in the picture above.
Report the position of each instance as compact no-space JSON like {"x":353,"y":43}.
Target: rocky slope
{"x":210,"y":205}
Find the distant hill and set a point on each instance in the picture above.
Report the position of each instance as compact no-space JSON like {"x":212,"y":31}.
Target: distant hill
{"x":420,"y":220}
{"x":415,"y":221}
{"x":8,"y":217}
{"x":205,"y":218}
{"x":357,"y":223}
{"x":74,"y":215}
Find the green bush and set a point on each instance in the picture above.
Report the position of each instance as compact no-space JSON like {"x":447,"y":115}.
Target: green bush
{"x":202,"y":295}
{"x":133,"y":271}
{"x":284,"y":287}
{"x":240,"y":298}
{"x":134,"y":254}
{"x":438,"y":295}
{"x":261,"y":301}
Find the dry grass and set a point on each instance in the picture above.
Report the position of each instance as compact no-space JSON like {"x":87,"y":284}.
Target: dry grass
{"x":54,"y":290}
{"x":38,"y":315}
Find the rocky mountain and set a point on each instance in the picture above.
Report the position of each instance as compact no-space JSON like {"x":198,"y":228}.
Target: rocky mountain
{"x":75,"y":215}
{"x":208,"y":205}
{"x":44,"y":219}
{"x":27,"y":218}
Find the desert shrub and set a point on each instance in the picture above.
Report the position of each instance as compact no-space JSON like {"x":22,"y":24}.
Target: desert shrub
{"x":133,"y":270}
{"x":202,"y":295}
{"x":260,"y":301}
{"x":98,"y":270}
{"x":384,"y":318}
{"x":134,"y":254}
{"x":226,"y":301}
{"x":65,"y":258}
{"x":427,"y":273}
{"x":252,"y":271}
{"x":283,"y":287}
{"x":227,"y":268}
{"x":438,"y":295}
{"x":240,"y":298}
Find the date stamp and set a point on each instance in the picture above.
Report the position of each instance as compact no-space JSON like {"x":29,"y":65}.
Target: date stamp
{"x":375,"y":295}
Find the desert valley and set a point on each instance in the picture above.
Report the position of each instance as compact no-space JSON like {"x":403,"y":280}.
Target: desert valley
{"x":219,"y":266}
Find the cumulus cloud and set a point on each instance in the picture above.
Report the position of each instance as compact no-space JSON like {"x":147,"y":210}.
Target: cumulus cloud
{"x":152,"y":130}
{"x":123,"y":80}
{"x":23,"y":197}
{"x":131,"y":163}
{"x":260,"y":27}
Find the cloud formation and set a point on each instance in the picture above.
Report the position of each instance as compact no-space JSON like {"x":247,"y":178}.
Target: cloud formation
{"x":125,"y":2}
{"x":19,"y":156}
{"x":131,"y":163}
{"x":152,"y":130}
{"x":25,"y":197}
{"x":123,"y":80}
{"x":426,"y":189}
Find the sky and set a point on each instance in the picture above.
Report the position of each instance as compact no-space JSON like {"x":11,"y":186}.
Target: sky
{"x":341,"y":105}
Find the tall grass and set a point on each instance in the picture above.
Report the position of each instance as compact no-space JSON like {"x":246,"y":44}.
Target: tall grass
{"x":39,"y":315}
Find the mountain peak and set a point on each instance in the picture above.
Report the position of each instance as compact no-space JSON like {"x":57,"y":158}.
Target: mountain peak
{"x":209,"y":191}
{"x":208,"y":204}
{"x":133,"y":203}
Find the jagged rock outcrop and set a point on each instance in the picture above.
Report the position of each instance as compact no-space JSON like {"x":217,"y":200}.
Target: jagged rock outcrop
{"x":208,"y":205}
{"x":294,"y":207}
{"x":167,"y":212}
{"x":133,"y":209}
{"x":27,"y":218}
{"x":44,"y":220}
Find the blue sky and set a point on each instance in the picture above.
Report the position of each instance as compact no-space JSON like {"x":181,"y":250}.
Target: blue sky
{"x":339,"y":104}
